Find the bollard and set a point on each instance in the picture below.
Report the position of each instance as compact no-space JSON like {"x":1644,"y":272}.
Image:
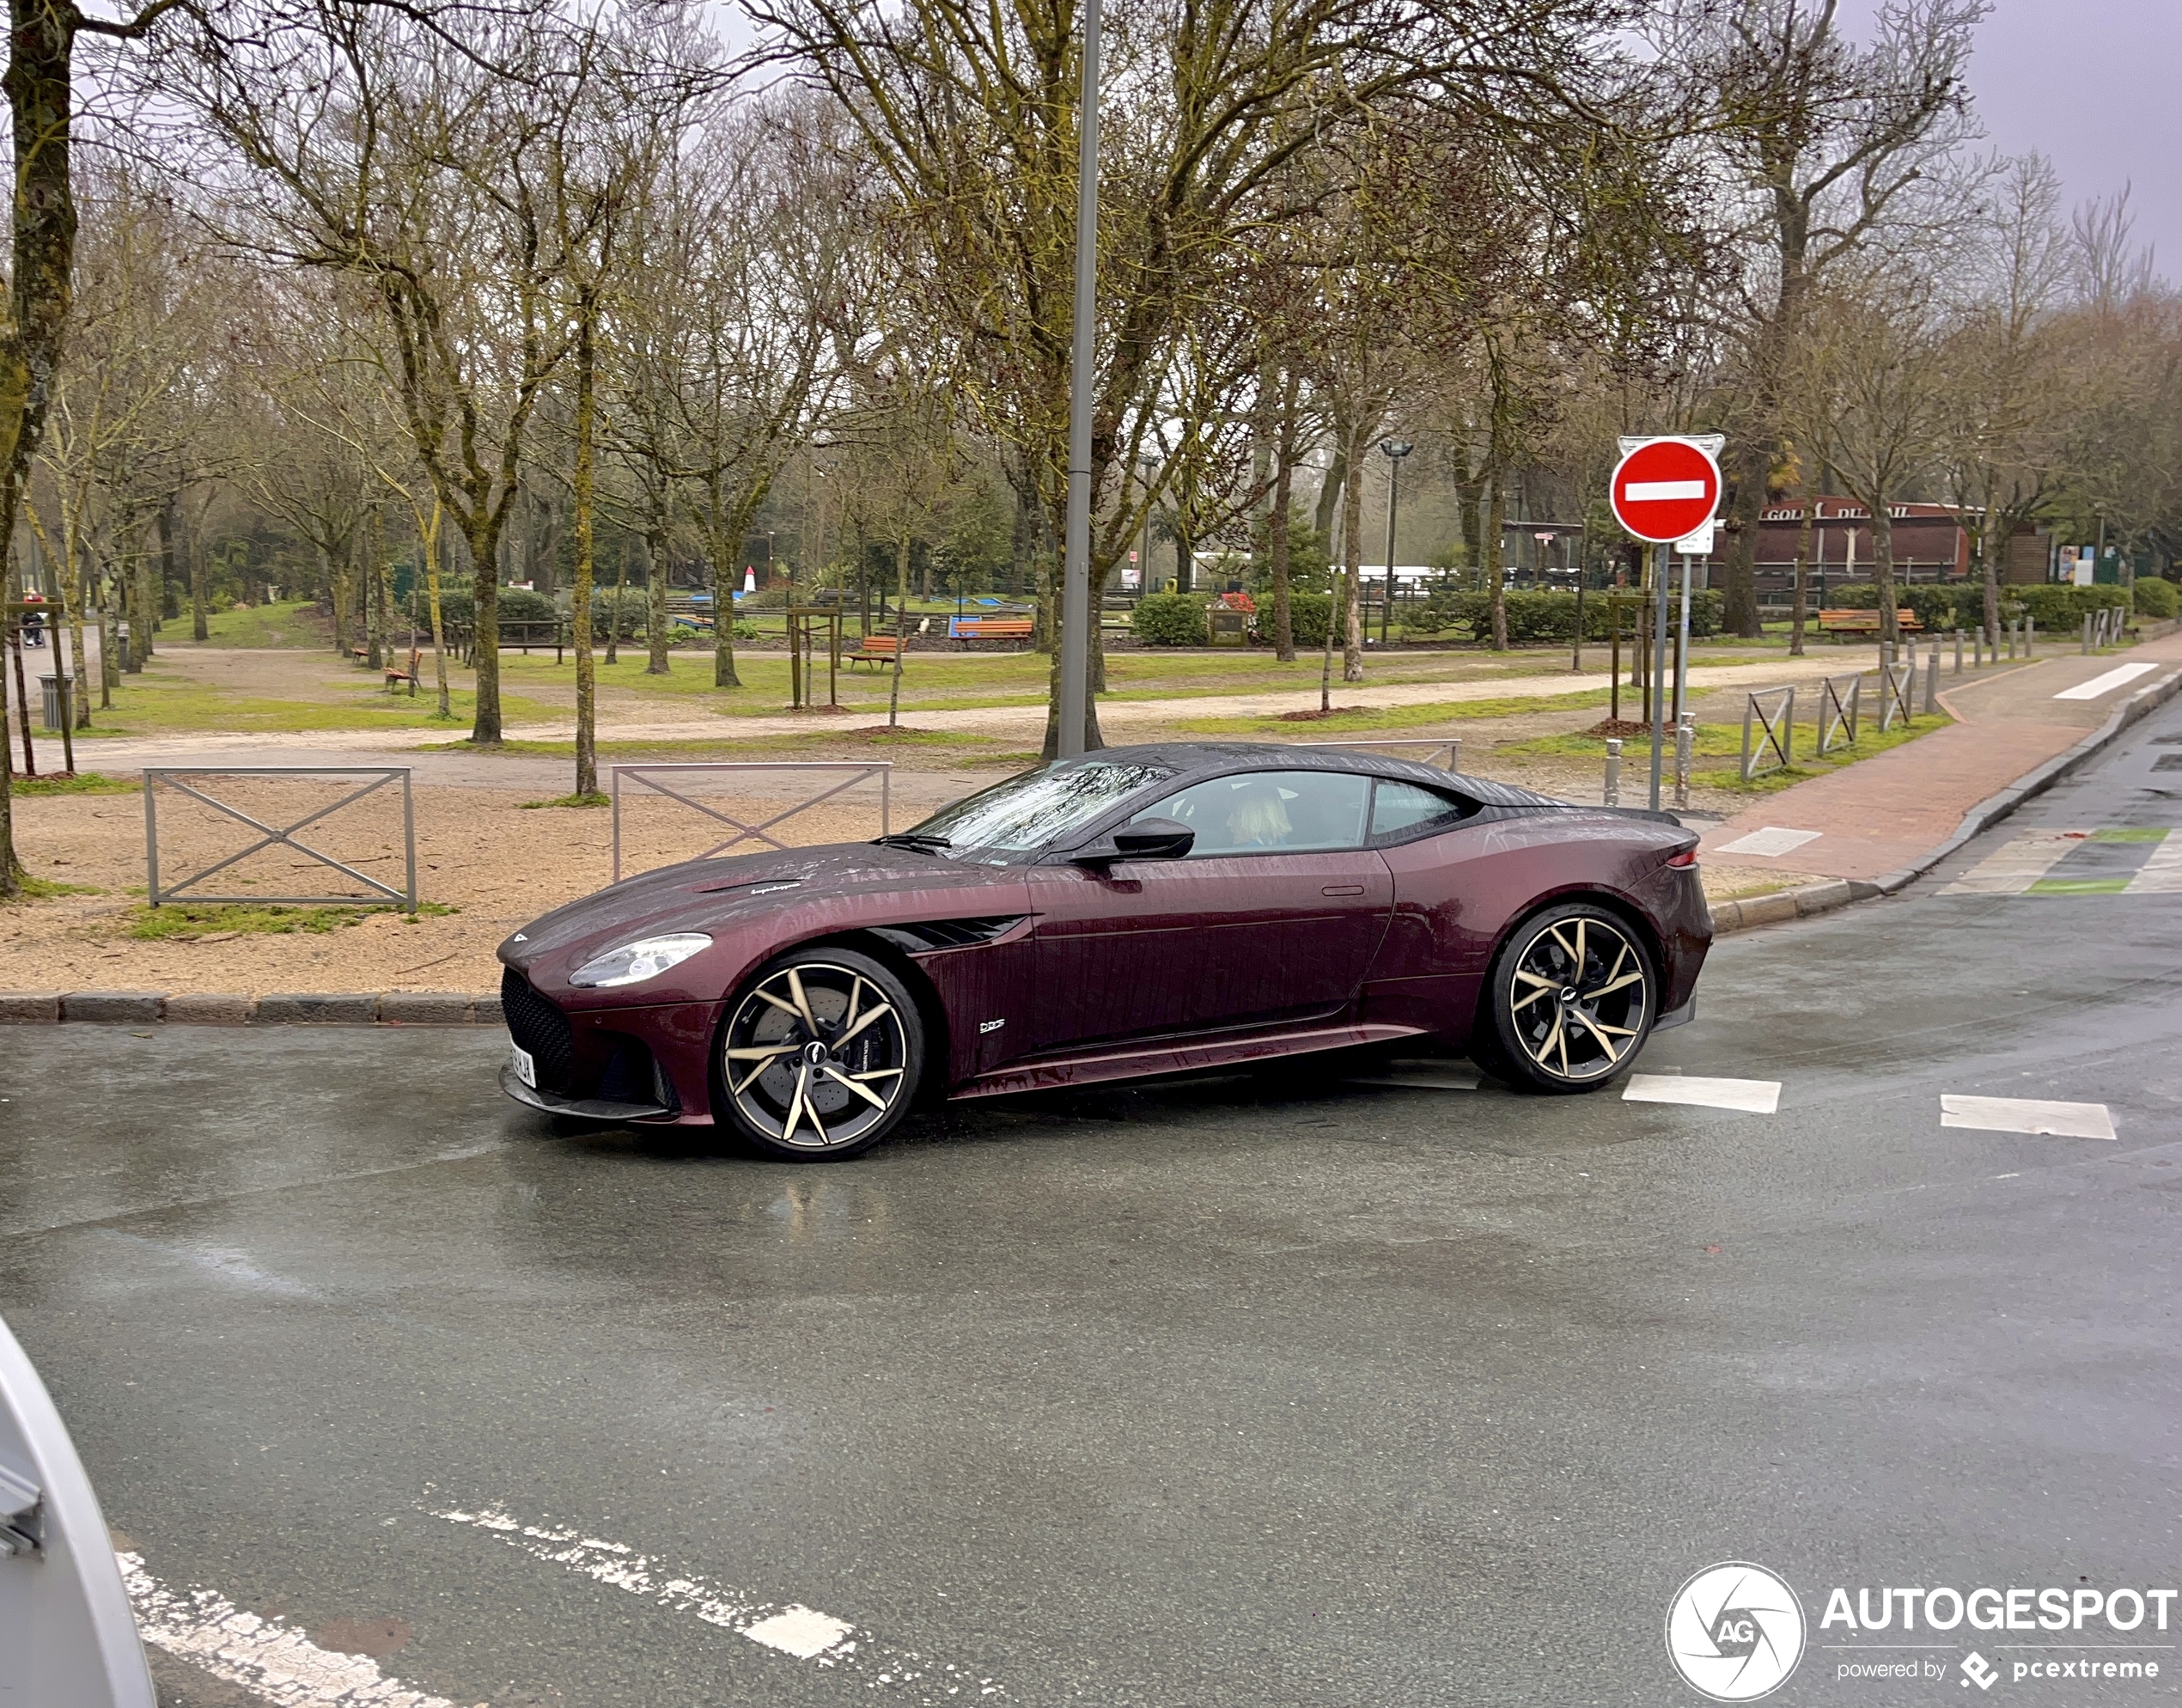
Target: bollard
{"x":1932,"y":682}
{"x":1613,"y":773}
{"x":1958,"y":652}
{"x":2086,"y":634}
{"x":1686,"y":736}
{"x":2030,"y":637}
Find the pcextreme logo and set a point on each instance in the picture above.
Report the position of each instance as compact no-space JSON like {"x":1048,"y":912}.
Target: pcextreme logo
{"x":1735,"y":1632}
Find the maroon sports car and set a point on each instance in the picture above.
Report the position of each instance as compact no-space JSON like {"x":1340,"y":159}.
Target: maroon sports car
{"x":1148,"y":910}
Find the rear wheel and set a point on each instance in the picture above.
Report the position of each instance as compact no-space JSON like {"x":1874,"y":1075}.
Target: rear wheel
{"x":821,"y":1055}
{"x":1569,"y":1001}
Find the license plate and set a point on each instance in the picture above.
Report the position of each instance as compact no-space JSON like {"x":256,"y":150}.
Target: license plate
{"x":526,"y":1069}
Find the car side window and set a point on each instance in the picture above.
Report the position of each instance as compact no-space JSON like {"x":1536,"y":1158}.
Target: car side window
{"x":1262,"y":812}
{"x":1404,"y":810}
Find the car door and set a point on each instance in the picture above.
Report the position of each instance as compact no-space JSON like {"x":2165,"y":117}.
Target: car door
{"x":1273,"y":915}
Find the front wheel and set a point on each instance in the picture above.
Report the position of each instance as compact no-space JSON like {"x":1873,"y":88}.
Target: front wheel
{"x":820,"y":1055}
{"x":1571,"y":999}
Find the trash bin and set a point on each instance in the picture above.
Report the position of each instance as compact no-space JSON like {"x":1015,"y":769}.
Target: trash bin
{"x":51,"y":684}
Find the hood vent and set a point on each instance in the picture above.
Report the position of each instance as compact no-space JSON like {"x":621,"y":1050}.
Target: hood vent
{"x":927,"y":934}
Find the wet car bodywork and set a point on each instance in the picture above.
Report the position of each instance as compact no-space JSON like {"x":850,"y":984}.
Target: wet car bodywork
{"x":1049,"y":970}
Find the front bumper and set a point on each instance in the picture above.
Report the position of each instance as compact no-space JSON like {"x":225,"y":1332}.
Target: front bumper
{"x":588,"y":1109}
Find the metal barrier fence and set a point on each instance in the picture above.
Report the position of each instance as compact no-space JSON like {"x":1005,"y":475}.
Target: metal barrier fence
{"x":1897,"y":684}
{"x":643,"y":776}
{"x":1452,"y":747}
{"x":1835,"y":715}
{"x":1776,"y":727}
{"x":272,"y":836}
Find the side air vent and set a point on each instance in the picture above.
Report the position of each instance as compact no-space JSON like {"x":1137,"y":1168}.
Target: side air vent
{"x":927,"y":934}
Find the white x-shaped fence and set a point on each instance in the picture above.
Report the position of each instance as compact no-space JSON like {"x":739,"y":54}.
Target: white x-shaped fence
{"x":278,"y":836}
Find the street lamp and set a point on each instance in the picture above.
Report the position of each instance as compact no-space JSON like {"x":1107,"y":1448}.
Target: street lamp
{"x":1395,"y":450}
{"x":1075,"y":560}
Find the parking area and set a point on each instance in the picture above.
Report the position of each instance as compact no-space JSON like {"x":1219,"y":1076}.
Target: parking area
{"x":1265,"y":1389}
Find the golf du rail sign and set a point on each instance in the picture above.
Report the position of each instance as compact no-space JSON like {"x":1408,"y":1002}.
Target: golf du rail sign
{"x":1665,"y":489}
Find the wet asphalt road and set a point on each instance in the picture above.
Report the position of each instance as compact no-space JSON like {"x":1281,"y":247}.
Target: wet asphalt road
{"x":1242,"y":1392}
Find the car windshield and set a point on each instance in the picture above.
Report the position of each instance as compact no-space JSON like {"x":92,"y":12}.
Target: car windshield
{"x":1032,"y":810}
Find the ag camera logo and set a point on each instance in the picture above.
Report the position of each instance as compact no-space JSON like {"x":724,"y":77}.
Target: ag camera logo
{"x":1735,"y":1632}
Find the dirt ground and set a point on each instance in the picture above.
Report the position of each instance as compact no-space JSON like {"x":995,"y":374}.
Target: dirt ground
{"x":480,"y":852}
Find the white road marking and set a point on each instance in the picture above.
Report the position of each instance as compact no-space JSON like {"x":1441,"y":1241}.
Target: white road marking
{"x":2027,"y":1114}
{"x":2098,"y":686}
{"x":2012,"y":870}
{"x":1770,"y":842}
{"x":264,"y":1657}
{"x":788,"y":1628}
{"x":1753,"y":1096}
{"x":1651,"y":491}
{"x":2161,"y":873}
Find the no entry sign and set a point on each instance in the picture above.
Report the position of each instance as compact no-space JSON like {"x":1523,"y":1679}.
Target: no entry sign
{"x":1665,"y":490}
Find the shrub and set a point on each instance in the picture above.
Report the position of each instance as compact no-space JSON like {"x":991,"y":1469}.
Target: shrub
{"x":2156,"y":598}
{"x":1169,"y":619}
{"x":517,"y":605}
{"x":1548,"y":618}
{"x":1307,"y":618}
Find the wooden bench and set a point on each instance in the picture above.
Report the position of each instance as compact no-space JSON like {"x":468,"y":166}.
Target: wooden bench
{"x":395,"y":674}
{"x":967,"y":629}
{"x":873,"y":649}
{"x":1865,"y":622}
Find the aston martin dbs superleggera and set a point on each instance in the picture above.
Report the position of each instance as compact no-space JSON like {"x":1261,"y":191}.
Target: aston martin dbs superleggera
{"x":1140,"y":911}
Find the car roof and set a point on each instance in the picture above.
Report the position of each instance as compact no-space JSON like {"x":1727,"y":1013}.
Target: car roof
{"x":1188,"y":759}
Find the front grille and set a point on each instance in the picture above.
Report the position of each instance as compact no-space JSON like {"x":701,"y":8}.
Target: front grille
{"x":632,"y":1076}
{"x":540,"y":1028}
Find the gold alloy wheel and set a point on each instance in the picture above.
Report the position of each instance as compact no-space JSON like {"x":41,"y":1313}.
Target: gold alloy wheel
{"x":816,"y":1055}
{"x":1579,"y":996}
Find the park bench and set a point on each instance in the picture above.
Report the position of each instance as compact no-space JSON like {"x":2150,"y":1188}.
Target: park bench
{"x":1865,"y":622}
{"x":873,"y":649}
{"x":396,"y":675}
{"x":967,"y":629}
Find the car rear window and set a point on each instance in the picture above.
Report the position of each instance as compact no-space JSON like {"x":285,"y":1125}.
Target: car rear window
{"x":1404,"y":810}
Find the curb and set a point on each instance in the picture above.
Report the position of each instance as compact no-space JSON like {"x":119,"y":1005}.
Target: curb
{"x":144,"y":1008}
{"x":1823,"y":898}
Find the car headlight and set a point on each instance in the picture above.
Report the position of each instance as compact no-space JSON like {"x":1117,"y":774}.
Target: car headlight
{"x":633,"y":963}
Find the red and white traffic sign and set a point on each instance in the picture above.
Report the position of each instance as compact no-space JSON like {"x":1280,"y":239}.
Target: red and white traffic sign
{"x":1665,"y":490}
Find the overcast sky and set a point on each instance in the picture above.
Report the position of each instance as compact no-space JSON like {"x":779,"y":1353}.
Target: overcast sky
{"x":2090,"y":85}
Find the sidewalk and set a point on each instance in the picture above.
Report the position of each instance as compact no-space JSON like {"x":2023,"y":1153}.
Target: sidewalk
{"x":1882,"y":814}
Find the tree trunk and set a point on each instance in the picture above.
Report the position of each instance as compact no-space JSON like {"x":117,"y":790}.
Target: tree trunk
{"x":901,"y":629}
{"x":722,"y":547}
{"x":652,"y":543}
{"x":620,"y":594}
{"x":74,"y":592}
{"x":1337,"y":477}
{"x":373,"y":547}
{"x":1752,"y":463}
{"x":1489,"y":532}
{"x":1883,"y":570}
{"x":1352,"y":669}
{"x":485,"y":654}
{"x":1276,"y":543}
{"x":586,"y":686}
{"x":1802,"y":569}
{"x":1992,"y":542}
{"x":200,"y":579}
{"x":432,"y":547}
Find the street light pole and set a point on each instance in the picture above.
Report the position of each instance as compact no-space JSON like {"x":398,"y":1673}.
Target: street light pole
{"x":1395,"y":450}
{"x":1075,"y":560}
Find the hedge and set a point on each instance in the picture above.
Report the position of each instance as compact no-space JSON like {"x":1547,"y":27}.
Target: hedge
{"x":1546,"y":618}
{"x":2156,"y":598}
{"x":1169,"y":619}
{"x":517,"y":605}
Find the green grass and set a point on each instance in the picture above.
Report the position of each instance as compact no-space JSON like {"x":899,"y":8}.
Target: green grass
{"x":30,"y":889}
{"x":162,"y":702}
{"x":593,"y":799}
{"x":1724,"y":740}
{"x":189,"y":922}
{"x":83,"y":783}
{"x":292,"y":624}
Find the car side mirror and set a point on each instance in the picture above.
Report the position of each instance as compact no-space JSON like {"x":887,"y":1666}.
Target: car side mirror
{"x":1154,"y":839}
{"x":1145,"y":840}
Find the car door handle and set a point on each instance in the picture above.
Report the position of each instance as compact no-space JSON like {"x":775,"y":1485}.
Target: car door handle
{"x":1342,"y":889}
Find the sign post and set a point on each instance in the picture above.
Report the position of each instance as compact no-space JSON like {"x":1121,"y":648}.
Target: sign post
{"x":1664,"y":491}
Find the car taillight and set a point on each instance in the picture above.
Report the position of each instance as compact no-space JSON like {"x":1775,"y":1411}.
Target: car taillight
{"x":1688,"y":856}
